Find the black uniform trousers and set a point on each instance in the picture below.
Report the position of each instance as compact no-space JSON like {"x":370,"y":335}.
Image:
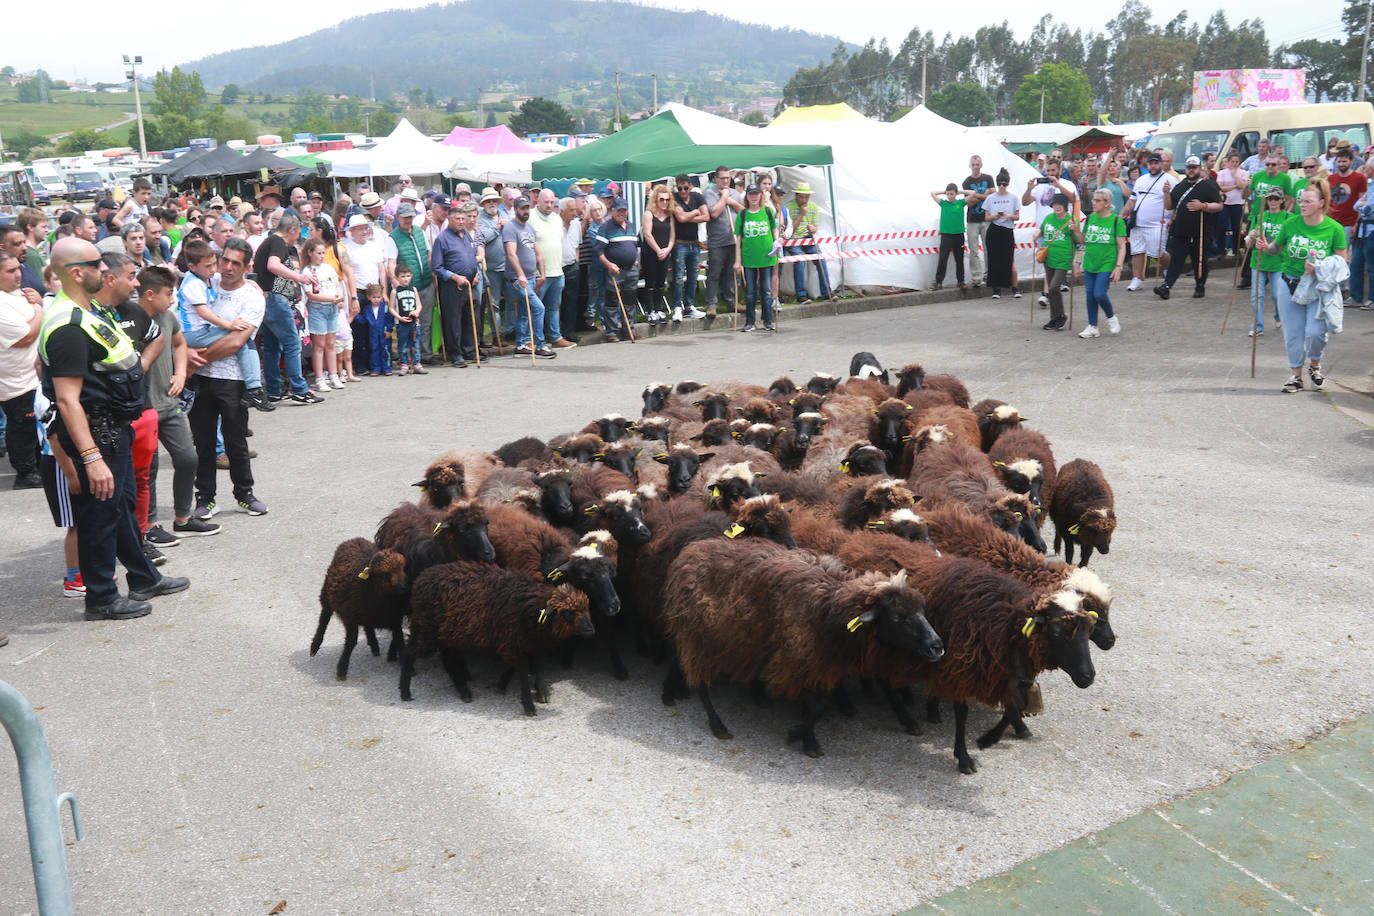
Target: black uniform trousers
{"x":106,"y":529}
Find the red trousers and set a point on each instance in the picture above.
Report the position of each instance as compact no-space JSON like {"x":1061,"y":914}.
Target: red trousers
{"x":145,"y":446}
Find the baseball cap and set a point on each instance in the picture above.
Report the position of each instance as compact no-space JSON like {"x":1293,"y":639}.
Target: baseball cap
{"x":620,"y":203}
{"x":405,"y":209}
{"x":441,"y":200}
{"x":357,"y":219}
{"x":753,"y":189}
{"x":106,"y":204}
{"x":462,"y":188}
{"x":522,"y":202}
{"x":1154,"y":157}
{"x":1192,"y":160}
{"x":574,"y":193}
{"x":316,"y":195}
{"x":1274,"y":191}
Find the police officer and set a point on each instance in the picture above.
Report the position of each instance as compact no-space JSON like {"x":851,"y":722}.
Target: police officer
{"x":91,"y":373}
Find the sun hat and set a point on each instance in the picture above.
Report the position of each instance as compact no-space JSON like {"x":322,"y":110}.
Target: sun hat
{"x":490,"y":194}
{"x":357,"y":219}
{"x":369,"y":200}
{"x":802,"y":188}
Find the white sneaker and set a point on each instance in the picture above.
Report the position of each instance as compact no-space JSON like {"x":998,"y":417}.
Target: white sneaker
{"x":1016,"y":295}
{"x":677,"y":314}
{"x":336,"y":382}
{"x":1136,"y":283}
{"x":1113,"y":326}
{"x":695,"y":312}
{"x":322,"y":385}
{"x":1043,"y":301}
{"x":1063,"y":287}
{"x":1089,"y":331}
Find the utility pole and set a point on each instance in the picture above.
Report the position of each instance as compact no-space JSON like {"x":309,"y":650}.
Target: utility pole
{"x":1042,"y":104}
{"x":132,"y":65}
{"x":616,"y":126}
{"x":655,"y":76}
{"x":371,"y":88}
{"x":480,"y":122}
{"x":923,"y":79}
{"x":1364,"y":58}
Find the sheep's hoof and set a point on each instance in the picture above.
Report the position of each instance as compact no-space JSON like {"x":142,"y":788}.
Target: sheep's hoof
{"x":341,"y":675}
{"x":622,"y":675}
{"x":541,"y":696}
{"x":967,"y":765}
{"x":814,"y":753}
{"x":1019,"y":730}
{"x":668,"y":698}
{"x":406,"y":697}
{"x":722,"y":733}
{"x":914,"y":728}
{"x":987,"y":741}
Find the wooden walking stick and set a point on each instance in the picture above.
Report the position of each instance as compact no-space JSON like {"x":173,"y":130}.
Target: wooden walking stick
{"x":529,"y":315}
{"x":624,"y":315}
{"x":734,"y":319}
{"x":476,"y":334}
{"x":495,"y":320}
{"x":1235,"y":285}
{"x":1034,"y":263}
{"x":1071,"y":285}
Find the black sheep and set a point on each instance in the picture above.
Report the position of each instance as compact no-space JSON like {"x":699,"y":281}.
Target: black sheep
{"x":367,"y":588}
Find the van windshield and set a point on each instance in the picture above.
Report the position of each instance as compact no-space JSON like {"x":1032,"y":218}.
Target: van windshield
{"x":1190,"y":143}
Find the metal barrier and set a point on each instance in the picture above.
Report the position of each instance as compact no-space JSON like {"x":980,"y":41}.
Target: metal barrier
{"x":42,"y":804}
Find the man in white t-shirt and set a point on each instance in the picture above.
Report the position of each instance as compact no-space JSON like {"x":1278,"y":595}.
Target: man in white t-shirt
{"x":371,"y":264}
{"x":1149,"y":199}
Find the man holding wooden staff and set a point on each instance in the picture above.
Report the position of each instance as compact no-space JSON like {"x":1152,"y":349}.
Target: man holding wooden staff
{"x":1196,"y":201}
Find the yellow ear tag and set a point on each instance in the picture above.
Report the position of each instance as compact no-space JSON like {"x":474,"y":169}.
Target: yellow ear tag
{"x":364,"y":573}
{"x":715,"y":491}
{"x":1028,"y":627}
{"x":793,"y":401}
{"x":543,"y":615}
{"x":844,"y":467}
{"x":1019,"y":516}
{"x":437,"y":527}
{"x":877,"y":524}
{"x":734,"y":530}
{"x":591,"y":510}
{"x":999,"y":464}
{"x":554,"y":575}
{"x":424,"y":487}
{"x":1073,"y":529}
{"x":854,"y":624}
{"x":1092,"y":614}
{"x":660,"y":456}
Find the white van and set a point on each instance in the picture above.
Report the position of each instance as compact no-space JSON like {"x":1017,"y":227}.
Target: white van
{"x":47,"y":181}
{"x":1302,"y":130}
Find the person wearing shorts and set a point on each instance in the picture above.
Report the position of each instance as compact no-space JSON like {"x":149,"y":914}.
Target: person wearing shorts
{"x":57,"y":489}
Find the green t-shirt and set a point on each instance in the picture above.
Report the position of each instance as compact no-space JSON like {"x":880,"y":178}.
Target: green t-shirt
{"x":1298,"y":240}
{"x":1099,"y":242}
{"x":756,"y":234}
{"x":1270,"y":223}
{"x":1261,"y":181}
{"x":1295,"y":186}
{"x":1058,"y":235}
{"x":951,"y":216}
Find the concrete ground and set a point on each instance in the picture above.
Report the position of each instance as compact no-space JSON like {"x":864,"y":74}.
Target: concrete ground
{"x":222,"y":770}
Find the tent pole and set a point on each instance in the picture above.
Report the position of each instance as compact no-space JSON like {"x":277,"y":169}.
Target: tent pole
{"x":835,"y":222}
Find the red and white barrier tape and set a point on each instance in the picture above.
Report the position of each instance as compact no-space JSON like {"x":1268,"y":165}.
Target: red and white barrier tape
{"x":835,"y":255}
{"x":875,"y":237}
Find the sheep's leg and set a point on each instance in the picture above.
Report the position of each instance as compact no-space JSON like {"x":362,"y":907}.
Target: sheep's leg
{"x":1018,"y":724}
{"x":325,"y":614}
{"x":906,"y":695}
{"x":503,"y":681}
{"x":759,"y":695}
{"x":526,"y":699}
{"x":673,"y":683}
{"x":842,"y":701}
{"x":933,"y":709}
{"x":350,"y":640}
{"x":904,"y":718}
{"x":398,"y":639}
{"x":1087,"y":552}
{"x":541,"y":690}
{"x":565,"y":653}
{"x":1057,"y":538}
{"x":457,"y":671}
{"x":966,"y":763}
{"x":617,"y":663}
{"x":994,"y":734}
{"x":1068,"y":547}
{"x":717,"y":727}
{"x":407,"y":670}
{"x":372,"y":640}
{"x":866,"y":686}
{"x":806,"y":731}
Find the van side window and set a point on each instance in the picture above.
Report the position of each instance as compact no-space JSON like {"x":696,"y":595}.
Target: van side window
{"x":1299,"y":143}
{"x":1357,"y":134}
{"x":1247,"y":144}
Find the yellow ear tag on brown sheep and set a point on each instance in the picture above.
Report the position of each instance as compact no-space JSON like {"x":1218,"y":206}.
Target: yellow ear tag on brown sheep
{"x":734,"y":531}
{"x":877,"y":524}
{"x":854,"y":624}
{"x":591,"y":510}
{"x":844,"y":467}
{"x":999,"y":464}
{"x":1028,"y":627}
{"x":363,"y":574}
{"x":554,"y":575}
{"x":1073,"y":529}
{"x":543,"y":615}
{"x":715,"y":492}
{"x":1092,"y":614}
{"x":438,"y":527}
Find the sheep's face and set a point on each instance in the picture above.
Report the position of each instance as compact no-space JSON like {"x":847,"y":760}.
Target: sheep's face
{"x":1068,"y":627}
{"x":567,"y":614}
{"x":822,"y":384}
{"x":1097,"y":599}
{"x":1095,"y":529}
{"x":555,"y":487}
{"x":714,"y":406}
{"x":782,"y":387}
{"x":760,"y":436}
{"x":687,"y":386}
{"x":885,"y":496}
{"x":758,"y":410}
{"x":715,"y":432}
{"x":864,"y":460}
{"x":622,"y":514}
{"x":581,"y":449}
{"x":442,"y":485}
{"x":1023,"y":476}
{"x":620,"y":458}
{"x":738,"y":426}
{"x":1026,"y":529}
{"x":463,"y":532}
{"x":612,"y":427}
{"x":911,"y":378}
{"x":1007,"y":512}
{"x":386,"y":572}
{"x":683,"y":464}
{"x":804,"y":427}
{"x":889,"y":425}
{"x":904,"y":523}
{"x":592,"y":572}
{"x":807,"y":402}
{"x":764,"y":517}
{"x":655,"y":398}
{"x":897,"y":613}
{"x":655,"y":429}
{"x":730,"y":490}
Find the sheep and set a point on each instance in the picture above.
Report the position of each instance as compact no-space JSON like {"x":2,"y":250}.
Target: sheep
{"x":921,"y":398}
{"x":527,"y":499}
{"x":1083,"y":509}
{"x":526,"y":448}
{"x":687,"y":387}
{"x":998,"y":634}
{"x":460,"y":534}
{"x":683,"y":463}
{"x":994,"y":419}
{"x":653,"y":429}
{"x":816,"y":528}
{"x":581,"y":448}
{"x":798,"y":621}
{"x":655,"y":397}
{"x":741,"y":391}
{"x":621,"y":456}
{"x":714,"y":406}
{"x":848,"y":414}
{"x":501,"y":485}
{"x":903,"y":523}
{"x":964,"y":474}
{"x":870,"y":498}
{"x":806,"y":402}
{"x":462,"y":606}
{"x":541,"y":551}
{"x":620,"y":512}
{"x":870,"y":388}
{"x":760,"y":436}
{"x":591,"y":482}
{"x":758,"y":410}
{"x":802,"y":489}
{"x":910,"y":377}
{"x":367,"y":588}
{"x":1025,"y":462}
{"x":822,"y":383}
{"x":792,"y":443}
{"x":406,"y":521}
{"x":865,"y":365}
{"x":738,"y":426}
{"x":611,"y":428}
{"x":653,"y":493}
{"x":782,"y":388}
{"x":961,"y":422}
{"x":889,"y":424}
{"x":954,"y":529}
{"x":442,"y":483}
{"x":476,"y":465}
{"x":949,"y":384}
{"x":555,"y":495}
{"x":726,"y":484}
{"x":863,"y":459}
{"x":713,"y":432}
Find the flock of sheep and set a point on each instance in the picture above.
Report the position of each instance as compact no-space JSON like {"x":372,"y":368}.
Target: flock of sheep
{"x":790,"y":538}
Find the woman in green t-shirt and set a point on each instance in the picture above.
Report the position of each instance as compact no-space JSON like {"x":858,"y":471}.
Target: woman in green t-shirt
{"x":1269,"y":219}
{"x":1058,"y":233}
{"x":756,"y":235}
{"x":1305,"y":238}
{"x":1104,"y":251}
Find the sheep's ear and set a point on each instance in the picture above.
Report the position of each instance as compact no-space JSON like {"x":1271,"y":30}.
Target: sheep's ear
{"x":696,"y":438}
{"x":866,"y":617}
{"x":543,"y":615}
{"x":558,"y":450}
{"x":1029,"y":626}
{"x":715,"y":492}
{"x":908,"y":407}
{"x":638,"y":452}
{"x":877,"y":523}
{"x":906,"y":438}
{"x":874,"y":411}
{"x":734,"y":531}
{"x":442,"y":526}
{"x":735,"y":435}
{"x":364,"y":573}
{"x":759,"y":474}
{"x":1073,"y":529}
{"x":421,"y":484}
{"x":599,"y":456}
{"x":697,"y":403}
{"x":661,"y":457}
{"x":554,"y":575}
{"x":705,"y":456}
{"x":793,"y":401}
{"x":844,"y":466}
{"x":739,"y":411}
{"x":999,"y":464}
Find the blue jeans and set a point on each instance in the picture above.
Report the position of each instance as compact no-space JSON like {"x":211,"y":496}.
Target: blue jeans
{"x":552,"y":292}
{"x":515,"y":299}
{"x":281,"y":342}
{"x":1263,"y":280}
{"x":1095,"y":285}
{"x":596,"y":290}
{"x":799,"y":273}
{"x":405,"y":343}
{"x":1362,"y":266}
{"x":1304,"y":334}
{"x":250,"y":367}
{"x":685,"y":259}
{"x":758,"y":282}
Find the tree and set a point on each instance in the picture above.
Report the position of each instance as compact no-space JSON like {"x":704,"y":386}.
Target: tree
{"x":382,"y":123}
{"x":229,"y":94}
{"x":541,"y":116}
{"x":755,"y":118}
{"x":1327,"y":66}
{"x":78,"y":141}
{"x":966,"y":103}
{"x":459,"y":120}
{"x":178,"y":92}
{"x":1067,"y":95}
{"x":1355,"y":17}
{"x":22,"y":142}
{"x":35,"y":88}
{"x":1156,"y":61}
{"x":6,"y":71}
{"x":429,"y":97}
{"x":310,"y":103}
{"x":415,"y":96}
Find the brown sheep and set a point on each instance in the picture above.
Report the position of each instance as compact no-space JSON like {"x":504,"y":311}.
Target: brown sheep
{"x":460,"y":532}
{"x":401,"y":524}
{"x":760,"y":436}
{"x":682,"y":464}
{"x":890,"y":423}
{"x":458,"y":607}
{"x":796,"y":620}
{"x":502,"y":484}
{"x":950,"y":384}
{"x":523,"y":450}
{"x":1025,"y":462}
{"x":903,"y":523}
{"x":654,"y":429}
{"x":816,"y":528}
{"x":963,"y":423}
{"x":806,"y":402}
{"x":919,"y":441}
{"x":963,"y":474}
{"x":476,"y":465}
{"x":921,"y":398}
{"x":611,"y":428}
{"x":847,"y":414}
{"x":910,"y":377}
{"x":622,"y":456}
{"x":802,"y":489}
{"x":581,"y":448}
{"x":994,"y":419}
{"x":822,"y":383}
{"x":870,"y":498}
{"x":655,"y":397}
{"x":442,"y":484}
{"x":736,"y":390}
{"x":782,"y":390}
{"x":714,"y":406}
{"x":758,"y":410}
{"x":869,"y":388}
{"x":592,"y":482}
{"x":1083,"y":509}
{"x":367,"y":588}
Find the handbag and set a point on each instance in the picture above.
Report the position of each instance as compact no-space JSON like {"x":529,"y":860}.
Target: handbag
{"x":1041,"y":254}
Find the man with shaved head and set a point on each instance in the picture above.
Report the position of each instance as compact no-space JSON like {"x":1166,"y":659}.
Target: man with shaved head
{"x":92,"y":372}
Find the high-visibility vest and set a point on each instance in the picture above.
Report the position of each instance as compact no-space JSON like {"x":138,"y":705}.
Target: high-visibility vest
{"x":113,"y":383}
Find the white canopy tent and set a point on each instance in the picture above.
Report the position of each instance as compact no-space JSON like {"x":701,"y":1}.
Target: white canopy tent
{"x":506,"y":168}
{"x":405,"y":152}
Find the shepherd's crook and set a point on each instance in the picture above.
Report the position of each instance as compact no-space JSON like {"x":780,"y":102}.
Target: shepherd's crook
{"x":476,"y":334}
{"x":624,"y":315}
{"x":529,"y":314}
{"x":1235,"y":285}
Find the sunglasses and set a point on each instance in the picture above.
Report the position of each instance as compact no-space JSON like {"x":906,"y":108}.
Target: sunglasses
{"x":96,"y":263}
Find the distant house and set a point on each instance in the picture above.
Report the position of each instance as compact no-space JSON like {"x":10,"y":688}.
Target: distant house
{"x":725,"y":111}
{"x":80,"y":87}
{"x":114,"y":89}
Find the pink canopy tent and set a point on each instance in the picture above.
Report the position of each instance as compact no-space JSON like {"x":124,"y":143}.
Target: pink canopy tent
{"x":488,"y":140}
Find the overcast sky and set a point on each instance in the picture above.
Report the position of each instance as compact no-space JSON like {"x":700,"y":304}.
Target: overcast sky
{"x":93,"y":50}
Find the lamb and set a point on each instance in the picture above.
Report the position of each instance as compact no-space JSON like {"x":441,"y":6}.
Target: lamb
{"x":367,"y":588}
{"x":995,"y":419}
{"x":541,"y":551}
{"x":727,"y":484}
{"x":611,"y":428}
{"x":654,"y":429}
{"x":870,"y":498}
{"x":888,"y":426}
{"x":526,"y":448}
{"x":683,"y":463}
{"x":1025,"y":462}
{"x":961,"y":422}
{"x":442,"y":484}
{"x":476,"y":465}
{"x":760,"y":436}
{"x":998,"y":634}
{"x":462,"y":606}
{"x":963,"y":474}
{"x":758,"y":410}
{"x":714,"y":406}
{"x":713,"y":432}
{"x":655,"y":397}
{"x":581,"y":448}
{"x":621,"y":456}
{"x":1083,"y":510}
{"x":798,"y":621}
{"x":822,"y":383}
{"x":910,"y":377}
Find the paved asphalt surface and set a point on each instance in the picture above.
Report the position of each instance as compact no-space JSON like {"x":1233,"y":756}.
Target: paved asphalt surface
{"x":220,"y":769}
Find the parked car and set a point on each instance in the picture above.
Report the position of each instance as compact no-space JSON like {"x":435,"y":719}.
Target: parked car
{"x":84,"y":182}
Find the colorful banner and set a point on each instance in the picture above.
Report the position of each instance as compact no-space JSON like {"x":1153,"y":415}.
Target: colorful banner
{"x":1218,"y":89}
